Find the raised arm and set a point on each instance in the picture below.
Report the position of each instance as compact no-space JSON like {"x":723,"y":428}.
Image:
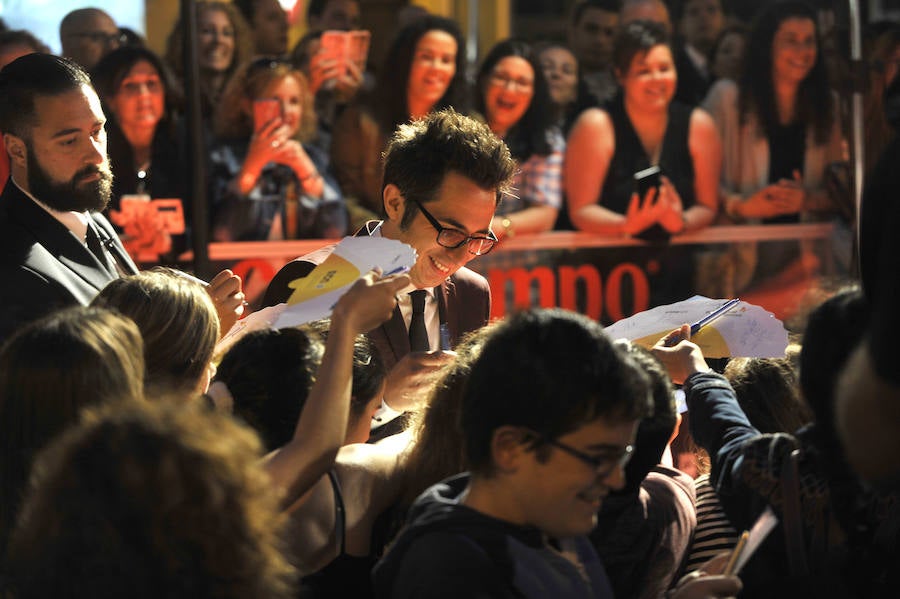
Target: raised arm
{"x":322,"y":425}
{"x":718,"y":424}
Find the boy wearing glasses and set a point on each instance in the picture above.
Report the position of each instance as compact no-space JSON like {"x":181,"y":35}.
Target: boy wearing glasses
{"x":443,"y":178}
{"x":549,"y":415}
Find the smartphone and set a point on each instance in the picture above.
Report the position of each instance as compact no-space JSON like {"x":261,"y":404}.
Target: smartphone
{"x":265,"y":110}
{"x":359,"y":47}
{"x":335,"y":46}
{"x":647,"y":179}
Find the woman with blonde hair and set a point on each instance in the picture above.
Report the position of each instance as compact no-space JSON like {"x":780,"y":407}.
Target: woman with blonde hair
{"x":178,"y":322}
{"x":267,"y":182}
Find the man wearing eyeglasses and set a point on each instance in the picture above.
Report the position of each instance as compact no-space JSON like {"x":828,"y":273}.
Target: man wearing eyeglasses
{"x":87,"y":35}
{"x":548,"y":415}
{"x":443,"y":178}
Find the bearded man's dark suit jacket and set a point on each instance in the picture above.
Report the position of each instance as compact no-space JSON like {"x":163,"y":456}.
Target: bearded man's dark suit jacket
{"x":464,"y":302}
{"x":43,"y":265}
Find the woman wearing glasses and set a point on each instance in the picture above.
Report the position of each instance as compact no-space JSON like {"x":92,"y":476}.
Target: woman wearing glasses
{"x":514,"y":98}
{"x":267,"y":184}
{"x":642,"y":128}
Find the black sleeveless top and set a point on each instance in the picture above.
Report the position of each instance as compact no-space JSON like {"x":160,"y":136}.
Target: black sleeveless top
{"x":346,"y":575}
{"x":629,"y":157}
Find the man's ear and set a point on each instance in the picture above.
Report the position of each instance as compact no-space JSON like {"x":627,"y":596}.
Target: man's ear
{"x":509,"y":444}
{"x":394,"y":203}
{"x":15,"y":147}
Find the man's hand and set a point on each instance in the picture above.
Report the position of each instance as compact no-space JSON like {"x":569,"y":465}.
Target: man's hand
{"x":226,"y":291}
{"x":411,"y":378}
{"x":680,"y":357}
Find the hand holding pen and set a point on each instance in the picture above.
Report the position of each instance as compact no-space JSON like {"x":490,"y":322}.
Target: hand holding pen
{"x":226,"y":292}
{"x":672,"y":339}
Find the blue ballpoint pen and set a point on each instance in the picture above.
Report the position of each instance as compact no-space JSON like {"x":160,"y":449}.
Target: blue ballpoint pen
{"x":695,"y":328}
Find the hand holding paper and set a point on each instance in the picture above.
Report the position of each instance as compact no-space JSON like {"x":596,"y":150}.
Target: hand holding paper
{"x":317,"y":294}
{"x":738,"y":329}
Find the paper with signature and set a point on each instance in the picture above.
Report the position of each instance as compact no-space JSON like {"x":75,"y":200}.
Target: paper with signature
{"x":744,"y":331}
{"x":315,"y":294}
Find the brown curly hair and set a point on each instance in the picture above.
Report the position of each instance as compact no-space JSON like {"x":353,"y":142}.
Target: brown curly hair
{"x":233,"y":121}
{"x":148,"y":501}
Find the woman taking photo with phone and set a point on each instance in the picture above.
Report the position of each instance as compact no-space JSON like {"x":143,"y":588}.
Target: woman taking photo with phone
{"x":266,"y":183}
{"x":146,"y":151}
{"x":424,"y":70}
{"x":643,"y":127}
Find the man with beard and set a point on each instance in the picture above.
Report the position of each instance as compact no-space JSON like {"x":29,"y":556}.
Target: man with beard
{"x":56,"y":249}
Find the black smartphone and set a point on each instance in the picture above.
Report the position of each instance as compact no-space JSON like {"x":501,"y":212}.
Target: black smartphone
{"x":647,"y":179}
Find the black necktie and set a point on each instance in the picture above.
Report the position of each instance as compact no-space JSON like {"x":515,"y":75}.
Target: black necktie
{"x":418,"y":334}
{"x":96,"y":246}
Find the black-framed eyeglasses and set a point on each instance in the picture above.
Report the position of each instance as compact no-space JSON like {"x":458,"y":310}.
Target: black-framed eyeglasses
{"x":452,"y":239}
{"x":602,"y":464}
{"x":100,"y":37}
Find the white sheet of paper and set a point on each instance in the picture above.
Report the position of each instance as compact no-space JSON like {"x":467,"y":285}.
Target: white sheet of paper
{"x":316,"y":294}
{"x":744,"y":331}
{"x":259,"y":320}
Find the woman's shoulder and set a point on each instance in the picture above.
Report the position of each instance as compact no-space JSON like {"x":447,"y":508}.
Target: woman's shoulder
{"x":592,"y":119}
{"x":722,"y":91}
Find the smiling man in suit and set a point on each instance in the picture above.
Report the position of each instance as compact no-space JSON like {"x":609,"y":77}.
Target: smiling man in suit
{"x":443,"y":177}
{"x":56,"y":249}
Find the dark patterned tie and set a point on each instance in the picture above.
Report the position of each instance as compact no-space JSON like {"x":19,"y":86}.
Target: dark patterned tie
{"x":418,"y":334}
{"x":95,"y":245}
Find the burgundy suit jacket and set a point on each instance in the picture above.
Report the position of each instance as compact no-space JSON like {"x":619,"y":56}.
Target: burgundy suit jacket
{"x":464,"y":302}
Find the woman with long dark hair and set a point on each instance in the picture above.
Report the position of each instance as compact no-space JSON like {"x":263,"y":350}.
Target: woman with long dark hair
{"x":224,"y":43}
{"x":424,"y":71}
{"x":779,"y":132}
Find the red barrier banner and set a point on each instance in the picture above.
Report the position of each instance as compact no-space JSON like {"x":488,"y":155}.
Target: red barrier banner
{"x":606,"y":279}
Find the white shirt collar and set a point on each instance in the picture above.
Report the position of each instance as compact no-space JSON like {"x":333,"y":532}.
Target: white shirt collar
{"x":76,"y":222}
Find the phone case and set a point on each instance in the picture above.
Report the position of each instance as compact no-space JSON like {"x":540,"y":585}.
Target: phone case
{"x":336,"y":46}
{"x":646,"y":179}
{"x":264,"y":111}
{"x":359,"y":48}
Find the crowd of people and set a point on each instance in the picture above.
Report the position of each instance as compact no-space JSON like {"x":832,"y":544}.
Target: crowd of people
{"x":406,"y":447}
{"x":698,"y":92}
